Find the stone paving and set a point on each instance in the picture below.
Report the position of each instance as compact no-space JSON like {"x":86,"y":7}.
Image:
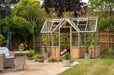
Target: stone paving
{"x":35,"y":68}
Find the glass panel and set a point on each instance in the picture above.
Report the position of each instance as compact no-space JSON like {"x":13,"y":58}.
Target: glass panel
{"x":82,"y":39}
{"x":54,"y":25}
{"x":46,"y":40}
{"x":91,"y":25}
{"x":82,"y":25}
{"x":49,"y":26}
{"x":64,"y":38}
{"x":74,"y":39}
{"x":90,"y":39}
{"x":56,"y":39}
{"x":75,"y":21}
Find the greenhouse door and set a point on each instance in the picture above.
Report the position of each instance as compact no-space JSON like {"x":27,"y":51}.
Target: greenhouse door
{"x":64,"y":41}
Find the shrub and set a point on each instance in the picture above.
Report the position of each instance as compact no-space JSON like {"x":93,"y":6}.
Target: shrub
{"x":104,"y":52}
{"x":52,"y":59}
{"x":39,"y":57}
{"x":67,"y":56}
{"x":31,"y":53}
{"x":37,"y":50}
{"x":111,"y":52}
{"x":61,"y":59}
{"x":107,"y":52}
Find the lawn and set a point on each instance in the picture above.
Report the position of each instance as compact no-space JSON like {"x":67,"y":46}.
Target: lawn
{"x":100,"y":66}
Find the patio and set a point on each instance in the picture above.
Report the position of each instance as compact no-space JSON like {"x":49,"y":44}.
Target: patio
{"x":35,"y":68}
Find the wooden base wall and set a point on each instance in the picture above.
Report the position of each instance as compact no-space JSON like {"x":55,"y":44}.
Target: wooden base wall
{"x":52,"y":51}
{"x":75,"y":52}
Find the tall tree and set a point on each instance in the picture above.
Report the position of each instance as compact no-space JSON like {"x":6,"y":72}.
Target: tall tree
{"x":5,"y":7}
{"x":104,"y":6}
{"x":63,"y":6}
{"x":30,"y":10}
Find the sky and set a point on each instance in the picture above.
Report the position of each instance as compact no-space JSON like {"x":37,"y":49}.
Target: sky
{"x":85,"y":1}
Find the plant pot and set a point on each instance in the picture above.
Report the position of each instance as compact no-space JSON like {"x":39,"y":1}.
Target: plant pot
{"x":30,"y":58}
{"x":87,"y":56}
{"x":66,"y":62}
{"x":46,"y":54}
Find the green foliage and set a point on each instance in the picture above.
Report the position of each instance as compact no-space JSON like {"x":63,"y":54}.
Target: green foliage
{"x":23,"y":26}
{"x":5,"y":7}
{"x":53,"y":59}
{"x":67,"y":56}
{"x":31,"y":11}
{"x":45,"y":42}
{"x":106,"y":22}
{"x":61,"y":59}
{"x":37,"y":50}
{"x":39,"y":57}
{"x":31,"y":53}
{"x":107,"y":52}
{"x":91,"y":39}
{"x":2,"y":40}
{"x":21,"y":47}
{"x":6,"y":25}
{"x":103,"y":6}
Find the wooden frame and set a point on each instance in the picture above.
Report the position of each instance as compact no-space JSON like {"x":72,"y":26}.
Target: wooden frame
{"x":79,"y":50}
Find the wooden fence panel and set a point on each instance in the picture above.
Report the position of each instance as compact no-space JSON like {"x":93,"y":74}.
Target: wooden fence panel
{"x":104,"y":40}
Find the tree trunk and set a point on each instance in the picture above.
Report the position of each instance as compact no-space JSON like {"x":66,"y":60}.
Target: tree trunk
{"x":33,"y":39}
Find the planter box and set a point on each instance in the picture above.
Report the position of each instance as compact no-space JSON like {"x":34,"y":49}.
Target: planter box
{"x":94,"y":51}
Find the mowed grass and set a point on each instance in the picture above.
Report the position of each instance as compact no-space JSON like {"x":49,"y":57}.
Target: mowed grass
{"x":100,"y":66}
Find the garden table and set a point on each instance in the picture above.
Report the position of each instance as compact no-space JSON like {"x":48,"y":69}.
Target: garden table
{"x":20,"y":59}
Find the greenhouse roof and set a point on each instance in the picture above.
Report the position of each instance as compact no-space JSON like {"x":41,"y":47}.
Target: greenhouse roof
{"x":79,"y":24}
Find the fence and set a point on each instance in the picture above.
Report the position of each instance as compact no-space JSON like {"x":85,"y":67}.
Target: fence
{"x":104,"y":40}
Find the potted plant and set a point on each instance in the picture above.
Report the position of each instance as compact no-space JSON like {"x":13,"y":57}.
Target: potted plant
{"x":87,"y":54}
{"x":21,"y":47}
{"x":30,"y":54}
{"x":66,"y":60}
{"x":90,"y":43}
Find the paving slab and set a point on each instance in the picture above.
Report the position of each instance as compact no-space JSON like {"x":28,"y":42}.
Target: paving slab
{"x":36,"y":68}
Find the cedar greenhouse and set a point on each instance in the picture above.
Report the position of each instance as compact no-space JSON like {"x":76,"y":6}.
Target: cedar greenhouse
{"x":77,"y":35}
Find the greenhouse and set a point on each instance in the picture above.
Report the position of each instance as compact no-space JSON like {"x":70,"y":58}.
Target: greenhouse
{"x":73,"y":34}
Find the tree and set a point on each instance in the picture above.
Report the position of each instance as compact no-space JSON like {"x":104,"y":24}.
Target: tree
{"x":30,"y":10}
{"x":23,"y":26}
{"x":63,"y":6}
{"x":5,"y":25}
{"x":106,"y":24}
{"x":103,"y":6}
{"x":5,"y":7}
{"x":2,"y":40}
